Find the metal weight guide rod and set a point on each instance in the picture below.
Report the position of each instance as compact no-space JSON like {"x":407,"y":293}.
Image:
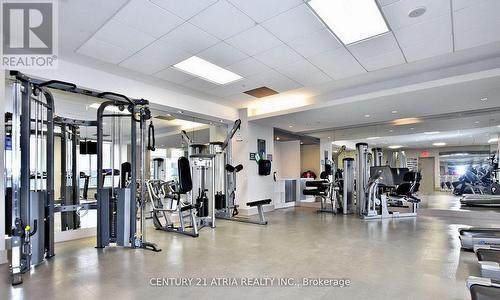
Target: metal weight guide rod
{"x":32,"y":224}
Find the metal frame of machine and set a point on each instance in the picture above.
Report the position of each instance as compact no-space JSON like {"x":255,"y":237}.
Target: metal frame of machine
{"x":32,"y":225}
{"x":117,"y":208}
{"x":32,"y":204}
{"x":70,"y":205}
{"x":370,"y":202}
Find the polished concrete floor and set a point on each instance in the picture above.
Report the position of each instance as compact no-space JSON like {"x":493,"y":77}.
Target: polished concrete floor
{"x":390,"y":259}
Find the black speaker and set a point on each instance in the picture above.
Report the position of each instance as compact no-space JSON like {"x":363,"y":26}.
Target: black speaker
{"x":264,"y":167}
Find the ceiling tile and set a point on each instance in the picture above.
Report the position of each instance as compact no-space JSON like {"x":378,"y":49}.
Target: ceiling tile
{"x":222,"y":20}
{"x":477,"y":25}
{"x":248,"y":67}
{"x":200,"y":85}
{"x":385,"y":60}
{"x":338,"y":63}
{"x":275,"y":81}
{"x":185,"y":8}
{"x":315,"y":43}
{"x":189,"y":38}
{"x":386,"y":2}
{"x":254,"y":40}
{"x":378,"y":52}
{"x":397,"y":12}
{"x":278,"y":56}
{"x":426,"y":39}
{"x":104,"y":51}
{"x":374,"y":46}
{"x":222,"y":54}
{"x":240,"y":99}
{"x":304,"y":73}
{"x":293,"y":23}
{"x":147,"y":17}
{"x":142,"y":64}
{"x":173,"y":75}
{"x":261,"y":10}
{"x":460,"y":4}
{"x":237,"y":87}
{"x":123,"y":36}
{"x":164,"y":53}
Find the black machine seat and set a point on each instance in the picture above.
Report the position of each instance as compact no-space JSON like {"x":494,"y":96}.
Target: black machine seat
{"x":409,"y":186}
{"x":314,"y":192}
{"x":259,"y":202}
{"x":185,"y":182}
{"x":319,"y":188}
{"x":317,"y":183}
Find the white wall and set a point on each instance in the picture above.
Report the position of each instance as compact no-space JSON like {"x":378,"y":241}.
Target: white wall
{"x":3,"y":256}
{"x":250,"y":186}
{"x":259,"y":187}
{"x":100,"y":80}
{"x":287,"y":159}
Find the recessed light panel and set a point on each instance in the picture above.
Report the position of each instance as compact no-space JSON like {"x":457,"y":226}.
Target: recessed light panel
{"x":206,"y":70}
{"x":351,"y":20}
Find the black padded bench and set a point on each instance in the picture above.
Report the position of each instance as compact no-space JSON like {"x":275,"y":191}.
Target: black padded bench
{"x":259,"y":204}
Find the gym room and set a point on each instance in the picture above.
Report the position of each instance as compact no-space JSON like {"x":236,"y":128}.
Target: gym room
{"x":236,"y":149}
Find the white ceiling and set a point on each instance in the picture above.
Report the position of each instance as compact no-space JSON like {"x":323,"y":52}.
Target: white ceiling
{"x":280,"y":44}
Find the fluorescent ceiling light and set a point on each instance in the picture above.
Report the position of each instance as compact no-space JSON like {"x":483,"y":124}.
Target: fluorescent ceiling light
{"x":207,"y":70}
{"x":439,"y":144}
{"x":351,"y":21}
{"x":395,"y":147}
{"x":431,"y":132}
{"x":373,"y":138}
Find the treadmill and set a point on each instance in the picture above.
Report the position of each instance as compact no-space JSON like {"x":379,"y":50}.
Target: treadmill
{"x":479,"y":236}
{"x":489,"y":259}
{"x":480,"y":200}
{"x":482,"y":288}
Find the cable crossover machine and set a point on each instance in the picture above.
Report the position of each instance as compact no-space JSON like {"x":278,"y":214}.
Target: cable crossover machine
{"x":30,"y":172}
